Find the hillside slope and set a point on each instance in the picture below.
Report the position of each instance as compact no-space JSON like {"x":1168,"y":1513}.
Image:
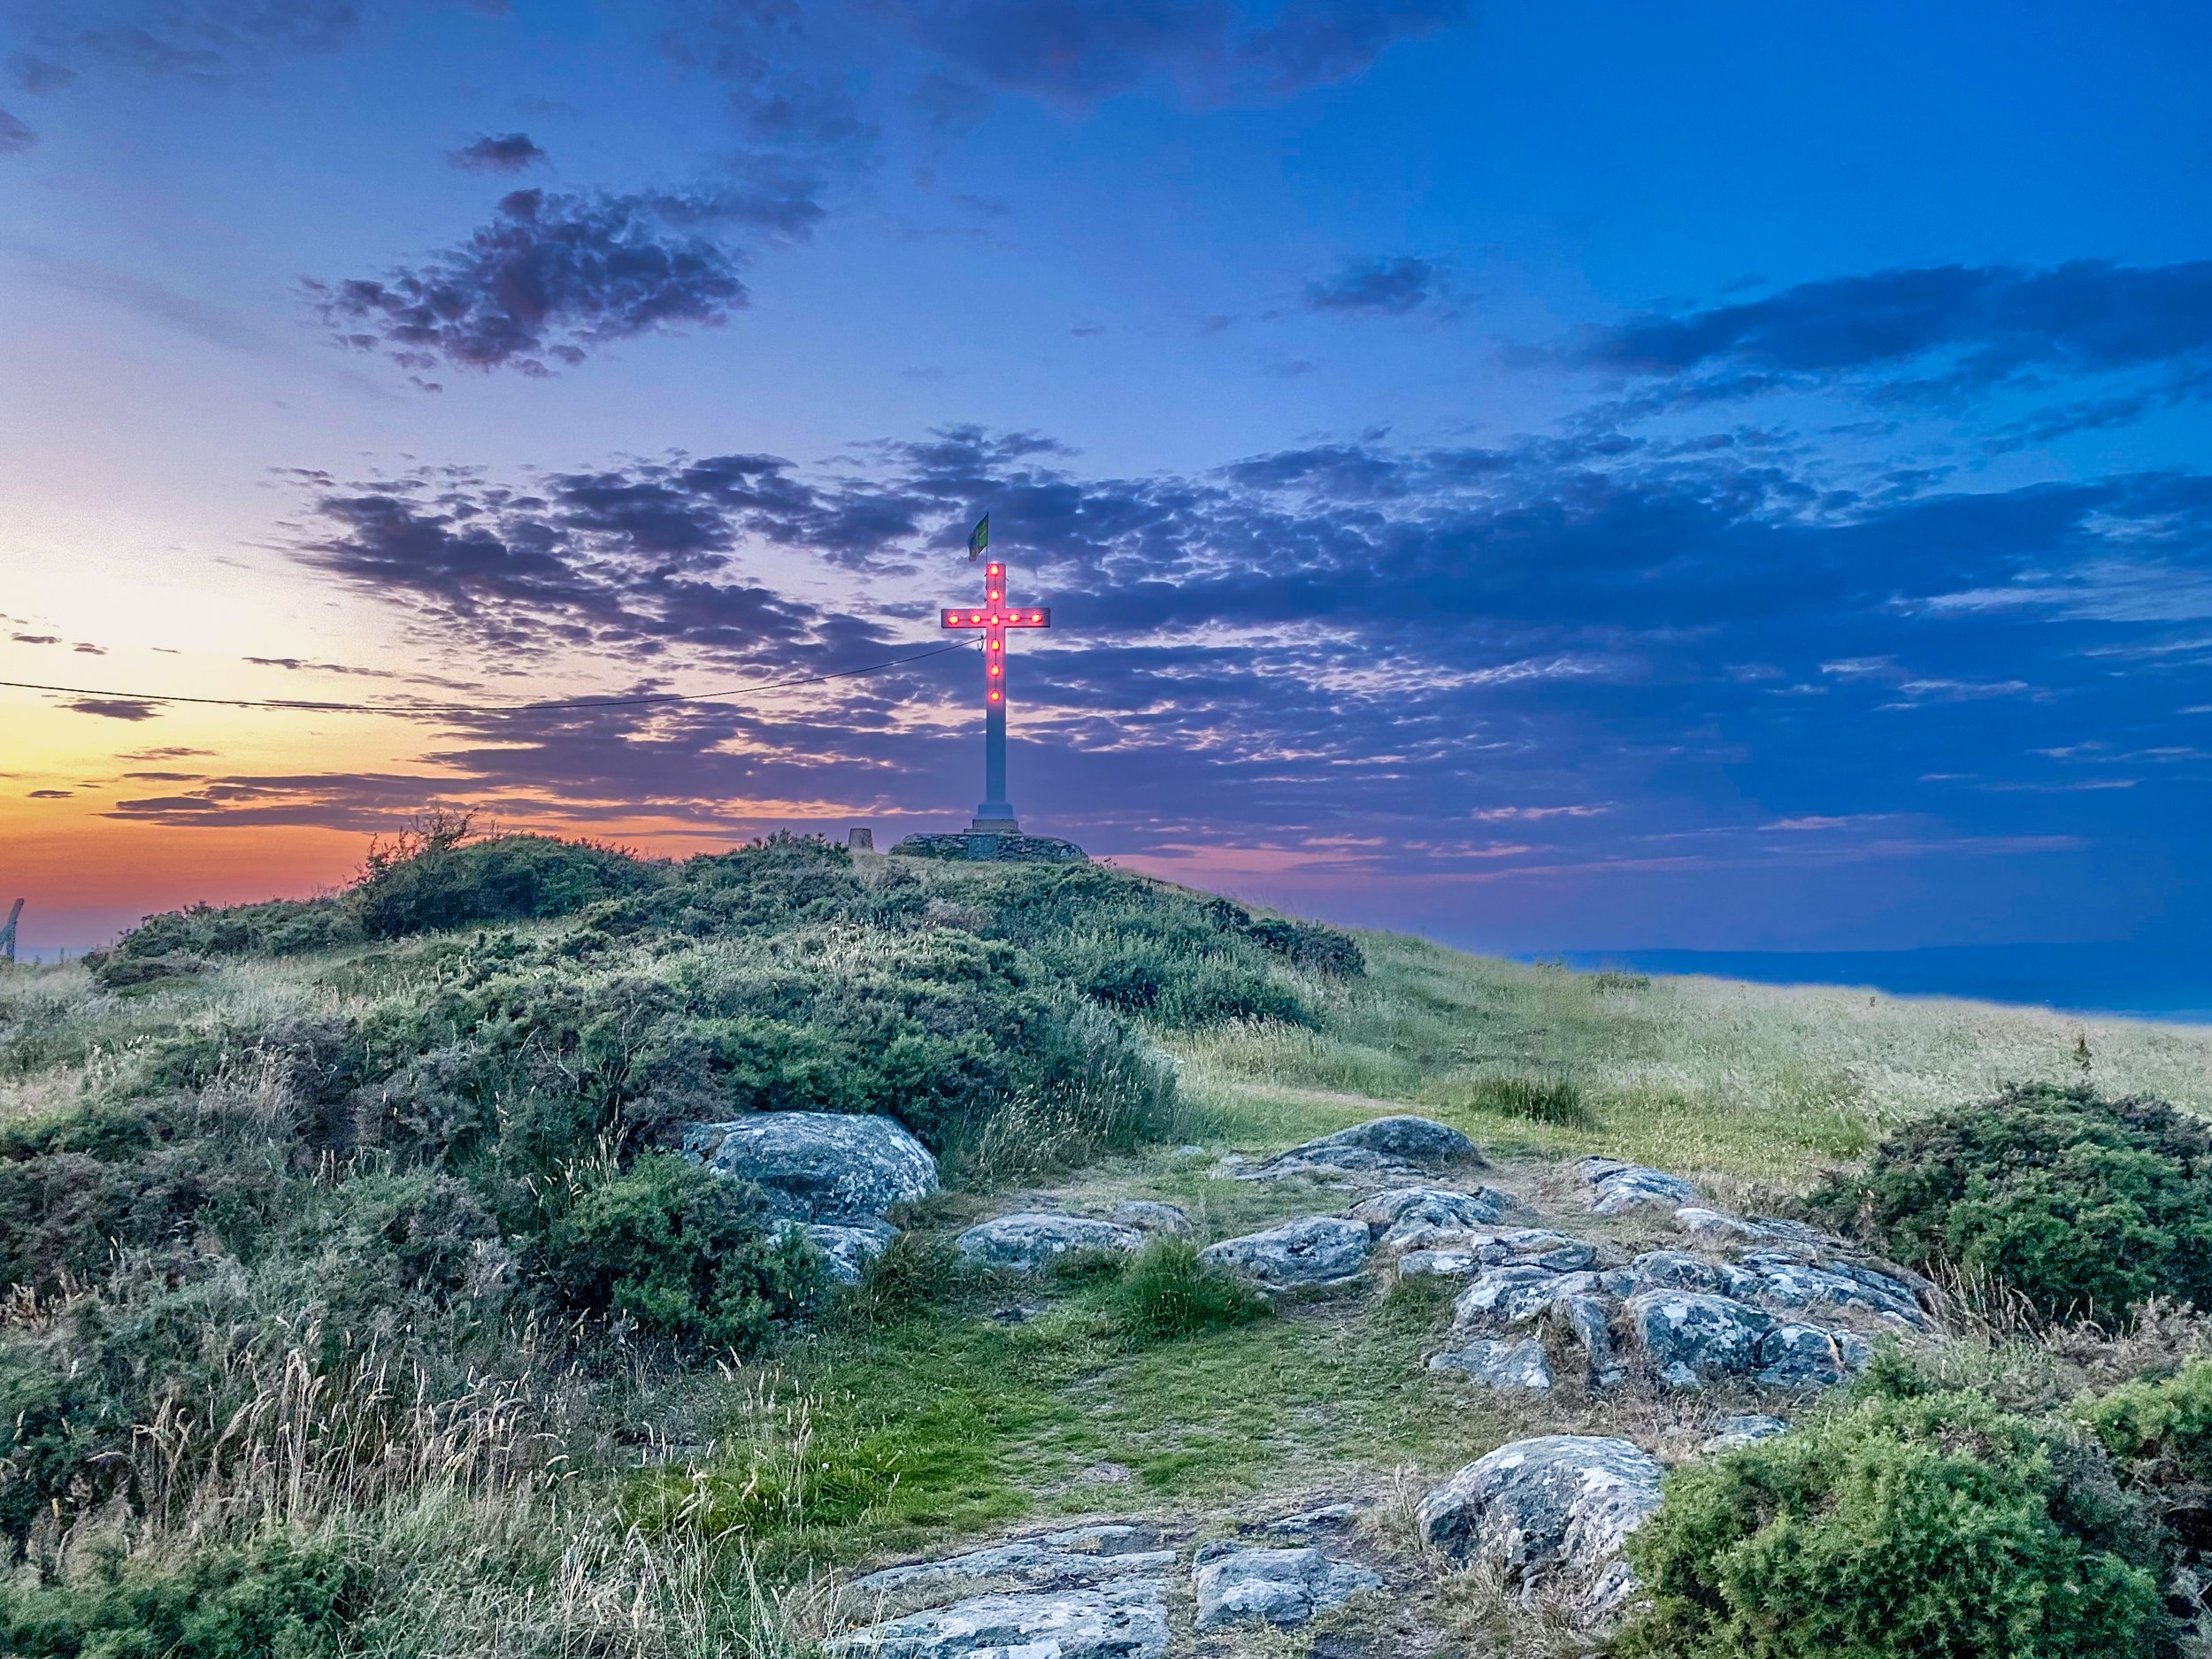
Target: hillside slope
{"x":361,"y":1301}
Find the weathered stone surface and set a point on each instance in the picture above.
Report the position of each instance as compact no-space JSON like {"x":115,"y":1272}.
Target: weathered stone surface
{"x":1025,"y":1242}
{"x":1282,"y":1587}
{"x":1397,"y":1145}
{"x":1616,"y":1186}
{"x":1080,"y":1559}
{"x":1588,"y":1320}
{"x":1312,"y":1250}
{"x":1729,"y":1433}
{"x":1712,"y":1225}
{"x":1308,"y":1521}
{"x":1513,"y":1294}
{"x":1147,"y":1216}
{"x":846,"y":1251}
{"x":1806,"y":1356}
{"x":1127,"y":1620}
{"x":837,"y":1167}
{"x":1691,"y":1338}
{"x":1672,"y":1269}
{"x":1552,"y":1512}
{"x":1416,"y":1218}
{"x":1795,"y":1284}
{"x":1461,"y":1255}
{"x":1500,"y":1364}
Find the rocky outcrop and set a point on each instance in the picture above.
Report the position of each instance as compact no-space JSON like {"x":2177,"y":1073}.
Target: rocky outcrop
{"x":841,"y":1168}
{"x":1281,"y":1586}
{"x":1126,"y":1620}
{"x":1081,"y":1558}
{"x":1615,"y":1186}
{"x":1397,"y":1148}
{"x":1520,"y":1365}
{"x":1025,"y":1243}
{"x":1552,"y":1513}
{"x":1416,"y":1217}
{"x":1313,"y":1250}
{"x":1691,"y":1338}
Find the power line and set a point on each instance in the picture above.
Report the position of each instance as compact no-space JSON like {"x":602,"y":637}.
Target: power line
{"x":409,"y":710}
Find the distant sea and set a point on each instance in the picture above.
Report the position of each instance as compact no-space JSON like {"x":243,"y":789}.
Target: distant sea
{"x":2154,"y":982}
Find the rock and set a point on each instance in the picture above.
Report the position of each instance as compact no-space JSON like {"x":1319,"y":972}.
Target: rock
{"x":846,"y":1251}
{"x":1462,"y":1253}
{"x":1805,"y":1356}
{"x":837,"y":1167}
{"x":1588,"y":1320}
{"x":1672,"y":1269}
{"x":1729,"y":1433}
{"x":1282,"y":1587}
{"x":1147,"y":1216}
{"x":1552,"y":1513}
{"x":1312,"y":1250}
{"x":1616,"y":1186}
{"x":1692,"y":1338}
{"x":1509,"y":1296}
{"x":1127,"y":1620}
{"x":1307,"y":1522}
{"x":1025,"y":1243}
{"x":1795,"y":1284}
{"x":1412,"y":1218}
{"x":1081,"y":1559}
{"x":1382,"y":1146}
{"x":1710,"y":1223}
{"x":1500,"y":1364}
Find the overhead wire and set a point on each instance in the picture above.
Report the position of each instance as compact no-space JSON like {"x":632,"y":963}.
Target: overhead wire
{"x":418,"y":710}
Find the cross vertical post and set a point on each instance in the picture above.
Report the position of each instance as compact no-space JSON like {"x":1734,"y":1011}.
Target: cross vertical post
{"x":996,"y":815}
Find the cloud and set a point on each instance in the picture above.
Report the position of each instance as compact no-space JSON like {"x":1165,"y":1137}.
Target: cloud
{"x":37,"y":76}
{"x":50,"y":794}
{"x":15,"y":138}
{"x":1079,"y":52}
{"x":116,"y":708}
{"x":506,"y":152}
{"x":1385,"y":287}
{"x":212,"y":42}
{"x":36,"y":639}
{"x":553,"y":275}
{"x":1939,"y":332}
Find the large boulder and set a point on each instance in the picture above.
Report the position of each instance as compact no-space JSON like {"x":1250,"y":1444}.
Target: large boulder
{"x":1615,"y":1186}
{"x":1024,"y":1243}
{"x":1552,"y":1513}
{"x":1312,"y":1250}
{"x":1123,"y":1620}
{"x":1282,"y":1587}
{"x":1397,"y":1146}
{"x":1692,"y":1338}
{"x":837,"y":1167}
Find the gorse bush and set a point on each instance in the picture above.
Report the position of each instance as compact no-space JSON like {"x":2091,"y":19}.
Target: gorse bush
{"x":2084,"y":1206}
{"x":1167,"y":1293}
{"x":1936,"y":1527}
{"x":2159,"y":1430}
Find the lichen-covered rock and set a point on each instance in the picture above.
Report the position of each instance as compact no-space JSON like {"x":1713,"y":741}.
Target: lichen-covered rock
{"x":1552,"y":1513}
{"x":1147,"y":1216}
{"x":1416,"y":1217}
{"x":1714,"y":1228}
{"x":1519,"y":1365}
{"x":1024,"y":1243}
{"x":1282,"y":1587}
{"x":1513,"y":1294}
{"x":1672,"y":1270}
{"x":846,"y":1251}
{"x":1692,"y":1338}
{"x":1616,"y":1186}
{"x":838,"y":1167}
{"x":1399,"y":1146}
{"x":1311,"y":1250}
{"x":1082,"y":1558}
{"x":1127,"y":1620}
{"x":1462,"y":1255}
{"x":1588,"y":1322}
{"x":1806,"y":1356}
{"x":1795,"y":1284}
{"x":1729,"y":1433}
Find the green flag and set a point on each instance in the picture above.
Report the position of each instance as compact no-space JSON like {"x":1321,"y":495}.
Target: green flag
{"x":979,"y":537}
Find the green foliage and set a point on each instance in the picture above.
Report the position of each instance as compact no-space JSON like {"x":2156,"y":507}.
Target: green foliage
{"x":272,"y":1599}
{"x":916,"y":1273}
{"x":1932,"y":1528}
{"x":508,"y":877}
{"x":679,"y":1251}
{"x":1167,"y":1294}
{"x":2086,"y":1207}
{"x":1544,"y":1100}
{"x":2159,"y":1430}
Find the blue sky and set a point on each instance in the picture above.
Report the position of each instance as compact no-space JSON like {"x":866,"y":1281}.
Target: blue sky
{"x":1581,"y":476}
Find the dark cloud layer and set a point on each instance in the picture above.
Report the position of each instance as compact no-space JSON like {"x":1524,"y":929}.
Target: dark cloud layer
{"x":206,"y":41}
{"x":1079,"y":51}
{"x":133,"y":708}
{"x":14,"y":136}
{"x":502,"y":152}
{"x":553,"y":275}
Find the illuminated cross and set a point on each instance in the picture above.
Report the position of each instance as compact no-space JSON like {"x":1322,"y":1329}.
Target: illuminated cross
{"x":995,"y":817}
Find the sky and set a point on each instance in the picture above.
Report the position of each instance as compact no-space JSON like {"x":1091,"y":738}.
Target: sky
{"x":1566,"y":477}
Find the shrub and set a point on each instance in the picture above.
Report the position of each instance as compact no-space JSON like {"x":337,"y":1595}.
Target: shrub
{"x":917,"y":1273}
{"x":272,"y":1600}
{"x":2159,"y":1430}
{"x":2086,"y":1207}
{"x":1556,"y":1100}
{"x":1311,"y":945}
{"x":1896,"y":1529}
{"x":684,"y":1252}
{"x":1168,"y":1293}
{"x":507,"y":878}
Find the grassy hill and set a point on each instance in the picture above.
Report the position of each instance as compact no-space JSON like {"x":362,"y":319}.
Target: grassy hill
{"x":358,"y":1304}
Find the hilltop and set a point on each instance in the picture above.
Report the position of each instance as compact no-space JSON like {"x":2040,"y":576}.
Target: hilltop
{"x":369,"y":1294}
